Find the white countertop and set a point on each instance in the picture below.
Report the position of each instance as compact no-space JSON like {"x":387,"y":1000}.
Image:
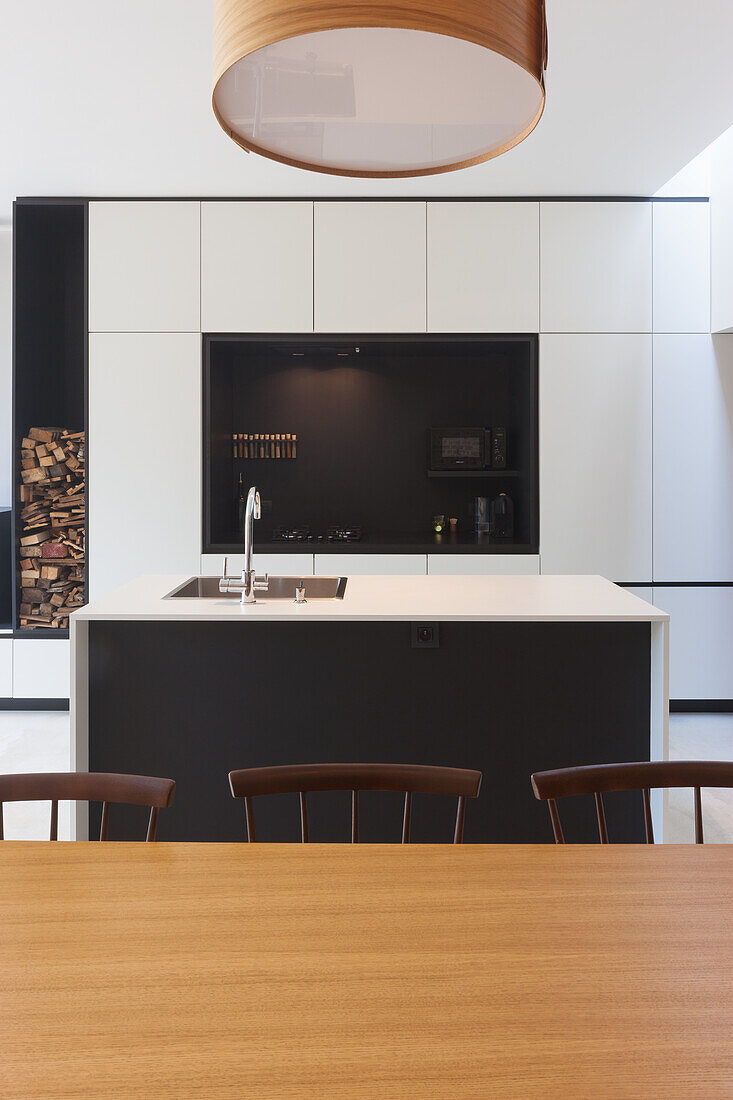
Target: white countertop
{"x":410,"y":598}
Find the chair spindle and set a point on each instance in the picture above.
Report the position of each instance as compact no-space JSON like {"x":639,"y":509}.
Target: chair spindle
{"x":303,"y":818}
{"x":406,"y":818}
{"x":698,"y":816}
{"x":54,"y":819}
{"x":354,"y":817}
{"x":460,"y":815}
{"x":249,"y":811}
{"x":648,"y":825}
{"x":555,"y":819}
{"x":2,"y":834}
{"x":152,"y":823}
{"x":104,"y":824}
{"x":600,"y":814}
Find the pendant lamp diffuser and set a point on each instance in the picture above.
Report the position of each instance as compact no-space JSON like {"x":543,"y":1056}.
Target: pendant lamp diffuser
{"x":381,"y":89}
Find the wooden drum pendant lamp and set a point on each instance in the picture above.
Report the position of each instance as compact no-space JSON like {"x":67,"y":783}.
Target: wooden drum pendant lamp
{"x":383,"y":88}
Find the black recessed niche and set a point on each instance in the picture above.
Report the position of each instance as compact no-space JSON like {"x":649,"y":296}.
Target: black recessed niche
{"x":361,"y":408}
{"x":50,"y":280}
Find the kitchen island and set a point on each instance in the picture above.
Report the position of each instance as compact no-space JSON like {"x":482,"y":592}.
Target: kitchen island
{"x":507,"y":674}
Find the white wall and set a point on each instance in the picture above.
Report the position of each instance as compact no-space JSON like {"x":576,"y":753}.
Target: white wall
{"x":5,"y":363}
{"x":115,"y":99}
{"x":721,"y":212}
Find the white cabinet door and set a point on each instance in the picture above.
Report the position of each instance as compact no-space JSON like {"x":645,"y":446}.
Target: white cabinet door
{"x":278,"y":565}
{"x":596,"y":266}
{"x":348,"y":565}
{"x":370,"y":267}
{"x":693,"y":458}
{"x":700,"y":641}
{"x":483,"y":266}
{"x":144,"y":266}
{"x":483,"y":564}
{"x":144,"y":456}
{"x":681,"y":266}
{"x":6,"y":668}
{"x":596,"y":456}
{"x":257,"y":266}
{"x":41,"y":668}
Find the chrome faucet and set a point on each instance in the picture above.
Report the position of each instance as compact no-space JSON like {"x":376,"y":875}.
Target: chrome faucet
{"x":250,"y":583}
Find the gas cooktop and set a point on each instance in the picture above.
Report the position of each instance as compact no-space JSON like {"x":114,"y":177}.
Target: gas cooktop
{"x":304,"y":534}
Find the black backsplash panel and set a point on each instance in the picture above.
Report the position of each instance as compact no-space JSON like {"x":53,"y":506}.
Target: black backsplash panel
{"x":361,"y":408}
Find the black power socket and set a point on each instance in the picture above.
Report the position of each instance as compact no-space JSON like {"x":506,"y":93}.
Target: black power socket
{"x":425,"y":636}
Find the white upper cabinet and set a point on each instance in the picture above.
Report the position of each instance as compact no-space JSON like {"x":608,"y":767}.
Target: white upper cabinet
{"x":693,"y":458}
{"x":483,"y":267}
{"x":681,"y":266}
{"x":370,"y":267}
{"x":144,"y":266}
{"x":144,"y":456}
{"x":257,"y":266}
{"x":596,"y":266}
{"x":596,"y":455}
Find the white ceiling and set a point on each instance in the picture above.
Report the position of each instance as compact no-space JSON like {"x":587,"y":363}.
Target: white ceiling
{"x":114,"y":99}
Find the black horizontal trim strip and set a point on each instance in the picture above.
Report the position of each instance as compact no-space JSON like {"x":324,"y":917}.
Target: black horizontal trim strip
{"x":56,"y":199}
{"x":692,"y":584}
{"x":674,"y":584}
{"x":701,"y":706}
{"x":34,"y":704}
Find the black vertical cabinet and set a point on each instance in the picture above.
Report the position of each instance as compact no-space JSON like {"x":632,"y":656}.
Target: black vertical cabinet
{"x":49,"y":335}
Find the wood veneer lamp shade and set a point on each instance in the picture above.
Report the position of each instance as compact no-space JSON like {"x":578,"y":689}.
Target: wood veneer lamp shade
{"x":379,"y":89}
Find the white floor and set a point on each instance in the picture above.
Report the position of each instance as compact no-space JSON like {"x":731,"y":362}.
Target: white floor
{"x":39,"y":741}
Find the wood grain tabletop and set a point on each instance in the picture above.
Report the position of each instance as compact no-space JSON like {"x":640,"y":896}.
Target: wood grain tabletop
{"x":235,"y":970}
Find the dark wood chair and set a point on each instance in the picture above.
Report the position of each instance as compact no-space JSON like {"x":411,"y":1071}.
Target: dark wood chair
{"x":300,"y":779}
{"x":104,"y":787}
{"x":642,"y":776}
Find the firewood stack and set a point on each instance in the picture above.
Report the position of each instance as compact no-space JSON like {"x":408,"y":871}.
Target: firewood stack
{"x":51,"y":527}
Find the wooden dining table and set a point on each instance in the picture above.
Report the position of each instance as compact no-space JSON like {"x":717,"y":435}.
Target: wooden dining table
{"x":319,"y":971}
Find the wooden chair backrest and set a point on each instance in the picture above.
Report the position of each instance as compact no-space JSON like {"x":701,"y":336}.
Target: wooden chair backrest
{"x":300,"y":779}
{"x":104,"y":787}
{"x":641,"y":776}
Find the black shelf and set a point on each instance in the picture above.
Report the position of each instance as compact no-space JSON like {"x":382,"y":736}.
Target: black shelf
{"x":474,"y":473}
{"x":388,"y":542}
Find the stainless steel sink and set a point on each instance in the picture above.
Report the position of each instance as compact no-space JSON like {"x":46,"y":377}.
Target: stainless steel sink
{"x":280,"y":588}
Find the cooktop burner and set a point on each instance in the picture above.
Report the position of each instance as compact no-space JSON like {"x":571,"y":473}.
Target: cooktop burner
{"x":304,"y":534}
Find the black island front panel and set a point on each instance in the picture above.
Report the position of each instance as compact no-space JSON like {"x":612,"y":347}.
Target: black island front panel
{"x":194,"y":700}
